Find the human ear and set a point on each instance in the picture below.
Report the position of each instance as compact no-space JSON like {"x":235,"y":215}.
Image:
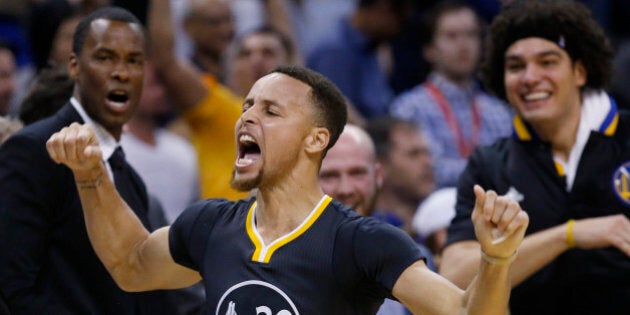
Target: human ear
{"x":73,"y":66}
{"x":317,"y":140}
{"x":580,"y":73}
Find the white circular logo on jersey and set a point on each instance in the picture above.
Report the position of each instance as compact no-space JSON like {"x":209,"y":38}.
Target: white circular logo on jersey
{"x":255,"y":297}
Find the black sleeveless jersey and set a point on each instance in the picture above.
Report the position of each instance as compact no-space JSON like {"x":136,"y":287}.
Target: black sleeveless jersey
{"x":335,"y":262}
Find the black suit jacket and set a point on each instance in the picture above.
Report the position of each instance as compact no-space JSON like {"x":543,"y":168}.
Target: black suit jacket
{"x":47,"y":264}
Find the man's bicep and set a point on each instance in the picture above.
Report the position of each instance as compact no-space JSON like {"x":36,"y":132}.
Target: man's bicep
{"x":160,"y":270}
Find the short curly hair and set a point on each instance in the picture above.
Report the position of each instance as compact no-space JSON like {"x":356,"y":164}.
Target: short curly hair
{"x":567,"y":23}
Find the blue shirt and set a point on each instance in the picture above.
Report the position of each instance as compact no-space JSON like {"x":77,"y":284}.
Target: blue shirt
{"x":418,"y":105}
{"x":350,"y":61}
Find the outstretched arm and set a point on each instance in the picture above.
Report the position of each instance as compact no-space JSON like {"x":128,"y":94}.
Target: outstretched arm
{"x":460,"y":259}
{"x":137,"y":260}
{"x":182,"y":80}
{"x":500,"y":225}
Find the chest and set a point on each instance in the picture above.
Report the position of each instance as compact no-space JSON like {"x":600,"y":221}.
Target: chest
{"x":294,"y":276}
{"x":601,"y":185}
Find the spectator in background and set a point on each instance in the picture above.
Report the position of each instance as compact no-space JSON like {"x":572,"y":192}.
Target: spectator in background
{"x":49,"y":92}
{"x":7,"y":77}
{"x":47,"y":263}
{"x":52,"y":24}
{"x":567,"y":164}
{"x":255,"y":54}
{"x":403,"y":154}
{"x":210,"y":26}
{"x":350,"y":56}
{"x":350,"y":172}
{"x":207,"y":107}
{"x":7,"y":128}
{"x":166,"y":162}
{"x":450,"y":107}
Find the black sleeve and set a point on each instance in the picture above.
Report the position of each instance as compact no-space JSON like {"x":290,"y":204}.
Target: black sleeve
{"x":380,"y":254}
{"x":190,"y":231}
{"x":30,"y":185}
{"x":484,"y":168}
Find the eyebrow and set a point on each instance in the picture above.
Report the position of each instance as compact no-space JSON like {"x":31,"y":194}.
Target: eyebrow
{"x":541,"y":54}
{"x":249,"y":101}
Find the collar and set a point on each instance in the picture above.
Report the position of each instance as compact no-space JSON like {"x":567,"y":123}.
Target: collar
{"x":599,"y":114}
{"x":106,"y":141}
{"x":449,"y":87}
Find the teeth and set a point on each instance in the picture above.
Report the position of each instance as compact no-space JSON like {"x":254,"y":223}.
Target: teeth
{"x":244,"y":161}
{"x":536,"y":96}
{"x":246,"y":138}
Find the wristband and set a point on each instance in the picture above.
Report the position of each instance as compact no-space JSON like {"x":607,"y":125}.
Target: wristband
{"x":570,"y":239}
{"x":498,"y":260}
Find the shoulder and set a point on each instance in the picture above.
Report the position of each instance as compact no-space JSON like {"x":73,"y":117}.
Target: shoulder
{"x":208,"y":211}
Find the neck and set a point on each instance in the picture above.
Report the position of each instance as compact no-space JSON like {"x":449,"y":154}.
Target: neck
{"x":142,"y":128}
{"x":283,"y":207}
{"x":560,"y":134}
{"x":462,"y":81}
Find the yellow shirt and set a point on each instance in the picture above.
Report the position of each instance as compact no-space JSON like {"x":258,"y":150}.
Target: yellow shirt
{"x":212,"y":134}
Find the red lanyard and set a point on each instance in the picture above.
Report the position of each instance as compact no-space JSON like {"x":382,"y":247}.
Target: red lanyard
{"x":464,"y":145}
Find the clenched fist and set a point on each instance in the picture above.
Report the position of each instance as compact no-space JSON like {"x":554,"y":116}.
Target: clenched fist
{"x":75,"y":146}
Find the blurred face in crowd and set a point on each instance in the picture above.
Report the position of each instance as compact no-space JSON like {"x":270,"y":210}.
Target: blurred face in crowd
{"x":541,"y":81}
{"x":385,"y":20}
{"x":210,"y":25}
{"x":154,"y":100}
{"x":7,"y":80}
{"x":258,"y":54}
{"x":408,"y":169}
{"x":62,"y":43}
{"x":350,"y":173}
{"x":456,"y":45}
{"x":109,"y":72}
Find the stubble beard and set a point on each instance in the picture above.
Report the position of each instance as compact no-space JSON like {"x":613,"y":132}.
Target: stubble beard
{"x":245,"y":185}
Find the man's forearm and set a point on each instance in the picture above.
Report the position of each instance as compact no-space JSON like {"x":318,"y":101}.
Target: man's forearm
{"x":537,"y":250}
{"x":113,"y":228}
{"x":489,"y":292}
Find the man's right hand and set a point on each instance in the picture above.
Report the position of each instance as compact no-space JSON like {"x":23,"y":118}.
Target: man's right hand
{"x":613,"y":230}
{"x":75,"y":146}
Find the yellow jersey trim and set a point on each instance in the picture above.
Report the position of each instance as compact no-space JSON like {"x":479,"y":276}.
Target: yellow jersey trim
{"x":262,"y":252}
{"x":521,"y":130}
{"x":610,"y":130}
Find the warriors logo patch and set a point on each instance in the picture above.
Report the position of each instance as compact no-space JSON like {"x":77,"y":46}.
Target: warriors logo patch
{"x":255,"y":298}
{"x":621,"y":183}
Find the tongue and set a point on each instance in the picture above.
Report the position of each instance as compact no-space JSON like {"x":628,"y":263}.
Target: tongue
{"x":252,"y":155}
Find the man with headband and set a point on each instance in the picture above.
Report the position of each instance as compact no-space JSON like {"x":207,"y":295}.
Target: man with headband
{"x":567,"y":164}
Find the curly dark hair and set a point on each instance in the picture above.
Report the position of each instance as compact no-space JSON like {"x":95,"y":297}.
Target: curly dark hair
{"x":567,"y":23}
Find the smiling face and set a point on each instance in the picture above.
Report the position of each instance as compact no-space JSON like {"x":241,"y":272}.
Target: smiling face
{"x":541,"y":81}
{"x":276,"y":123}
{"x":349,"y":172}
{"x":109,"y":72}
